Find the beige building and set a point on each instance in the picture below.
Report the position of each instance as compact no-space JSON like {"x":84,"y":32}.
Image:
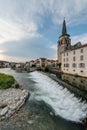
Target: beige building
{"x":73,"y":58}
{"x":32,"y":63}
{"x":42,"y":62}
{"x":37,"y":63}
{"x":75,"y":61}
{"x":50,"y":63}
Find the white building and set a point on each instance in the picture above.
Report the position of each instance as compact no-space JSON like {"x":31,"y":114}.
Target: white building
{"x":32,"y":63}
{"x":73,"y":59}
{"x":37,"y":63}
{"x":42,"y":62}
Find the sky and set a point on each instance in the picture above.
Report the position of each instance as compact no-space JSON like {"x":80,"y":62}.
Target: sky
{"x":29,"y":29}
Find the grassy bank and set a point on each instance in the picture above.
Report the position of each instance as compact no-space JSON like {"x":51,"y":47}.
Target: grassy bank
{"x":6,"y":81}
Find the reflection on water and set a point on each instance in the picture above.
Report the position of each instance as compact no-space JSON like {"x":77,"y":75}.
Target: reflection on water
{"x":78,"y":82}
{"x":77,"y":85}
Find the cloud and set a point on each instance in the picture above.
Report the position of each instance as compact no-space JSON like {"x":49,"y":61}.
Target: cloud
{"x":80,"y":38}
{"x":27,"y":49}
{"x":32,"y":10}
{"x":29,"y":28}
{"x":54,"y":46}
{"x":10,"y":31}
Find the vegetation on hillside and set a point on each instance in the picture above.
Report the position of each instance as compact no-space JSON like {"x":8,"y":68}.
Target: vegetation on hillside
{"x":6,"y":81}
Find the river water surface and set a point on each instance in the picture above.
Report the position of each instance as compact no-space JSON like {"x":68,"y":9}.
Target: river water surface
{"x":50,"y":106}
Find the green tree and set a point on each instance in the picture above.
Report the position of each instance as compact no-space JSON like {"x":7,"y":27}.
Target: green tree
{"x":46,"y":69}
{"x":58,"y":64}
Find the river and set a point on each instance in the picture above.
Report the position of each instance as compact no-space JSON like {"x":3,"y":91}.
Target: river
{"x":50,"y":106}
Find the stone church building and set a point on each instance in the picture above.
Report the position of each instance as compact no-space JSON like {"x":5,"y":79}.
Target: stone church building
{"x":73,"y":58}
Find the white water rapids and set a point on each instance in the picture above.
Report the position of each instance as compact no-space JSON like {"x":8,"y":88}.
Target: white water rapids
{"x":60,"y":99}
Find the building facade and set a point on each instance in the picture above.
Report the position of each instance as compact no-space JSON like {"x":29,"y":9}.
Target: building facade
{"x":73,"y":58}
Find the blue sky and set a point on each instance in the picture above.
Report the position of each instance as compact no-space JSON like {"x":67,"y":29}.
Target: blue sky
{"x":29,"y":29}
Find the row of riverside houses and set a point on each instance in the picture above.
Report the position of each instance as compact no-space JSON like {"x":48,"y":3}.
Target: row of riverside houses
{"x":73,"y":58}
{"x":42,"y":62}
{"x":37,"y":64}
{"x":4,"y":64}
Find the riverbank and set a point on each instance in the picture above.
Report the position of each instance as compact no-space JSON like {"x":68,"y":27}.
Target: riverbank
{"x":11,"y":100}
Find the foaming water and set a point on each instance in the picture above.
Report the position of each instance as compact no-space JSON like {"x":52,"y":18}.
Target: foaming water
{"x":60,"y":99}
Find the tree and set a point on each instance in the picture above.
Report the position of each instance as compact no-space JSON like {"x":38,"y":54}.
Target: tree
{"x":58,"y":64}
{"x":46,"y":69}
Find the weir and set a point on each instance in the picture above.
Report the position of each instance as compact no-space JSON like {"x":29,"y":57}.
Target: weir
{"x":63,"y":102}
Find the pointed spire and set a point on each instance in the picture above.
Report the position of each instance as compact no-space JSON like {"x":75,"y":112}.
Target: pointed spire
{"x":64,"y":30}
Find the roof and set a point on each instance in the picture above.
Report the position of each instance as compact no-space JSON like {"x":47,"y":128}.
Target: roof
{"x":43,"y":58}
{"x":75,"y":47}
{"x":64,"y":29}
{"x":31,"y":61}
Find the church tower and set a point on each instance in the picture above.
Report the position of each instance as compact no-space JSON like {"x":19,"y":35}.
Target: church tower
{"x":64,"y":42}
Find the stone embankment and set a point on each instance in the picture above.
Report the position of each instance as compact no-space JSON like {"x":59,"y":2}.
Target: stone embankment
{"x":11,"y":100}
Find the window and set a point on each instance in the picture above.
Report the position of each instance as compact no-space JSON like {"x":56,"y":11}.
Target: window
{"x":73,"y":70}
{"x":82,"y":65}
{"x":67,"y":45}
{"x":66,"y":59}
{"x":81,"y":50}
{"x":67,"y":65}
{"x":73,"y":52}
{"x":81,"y":71}
{"x":67,"y":53}
{"x":64,"y":54}
{"x":74,"y":65}
{"x":74,"y":58}
{"x":81,"y":57}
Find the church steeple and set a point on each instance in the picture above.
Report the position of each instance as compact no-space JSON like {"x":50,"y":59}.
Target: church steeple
{"x":64,"y":30}
{"x":64,"y":42}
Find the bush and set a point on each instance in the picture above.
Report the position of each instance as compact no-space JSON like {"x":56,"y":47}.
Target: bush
{"x":6,"y":81}
{"x":46,"y":69}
